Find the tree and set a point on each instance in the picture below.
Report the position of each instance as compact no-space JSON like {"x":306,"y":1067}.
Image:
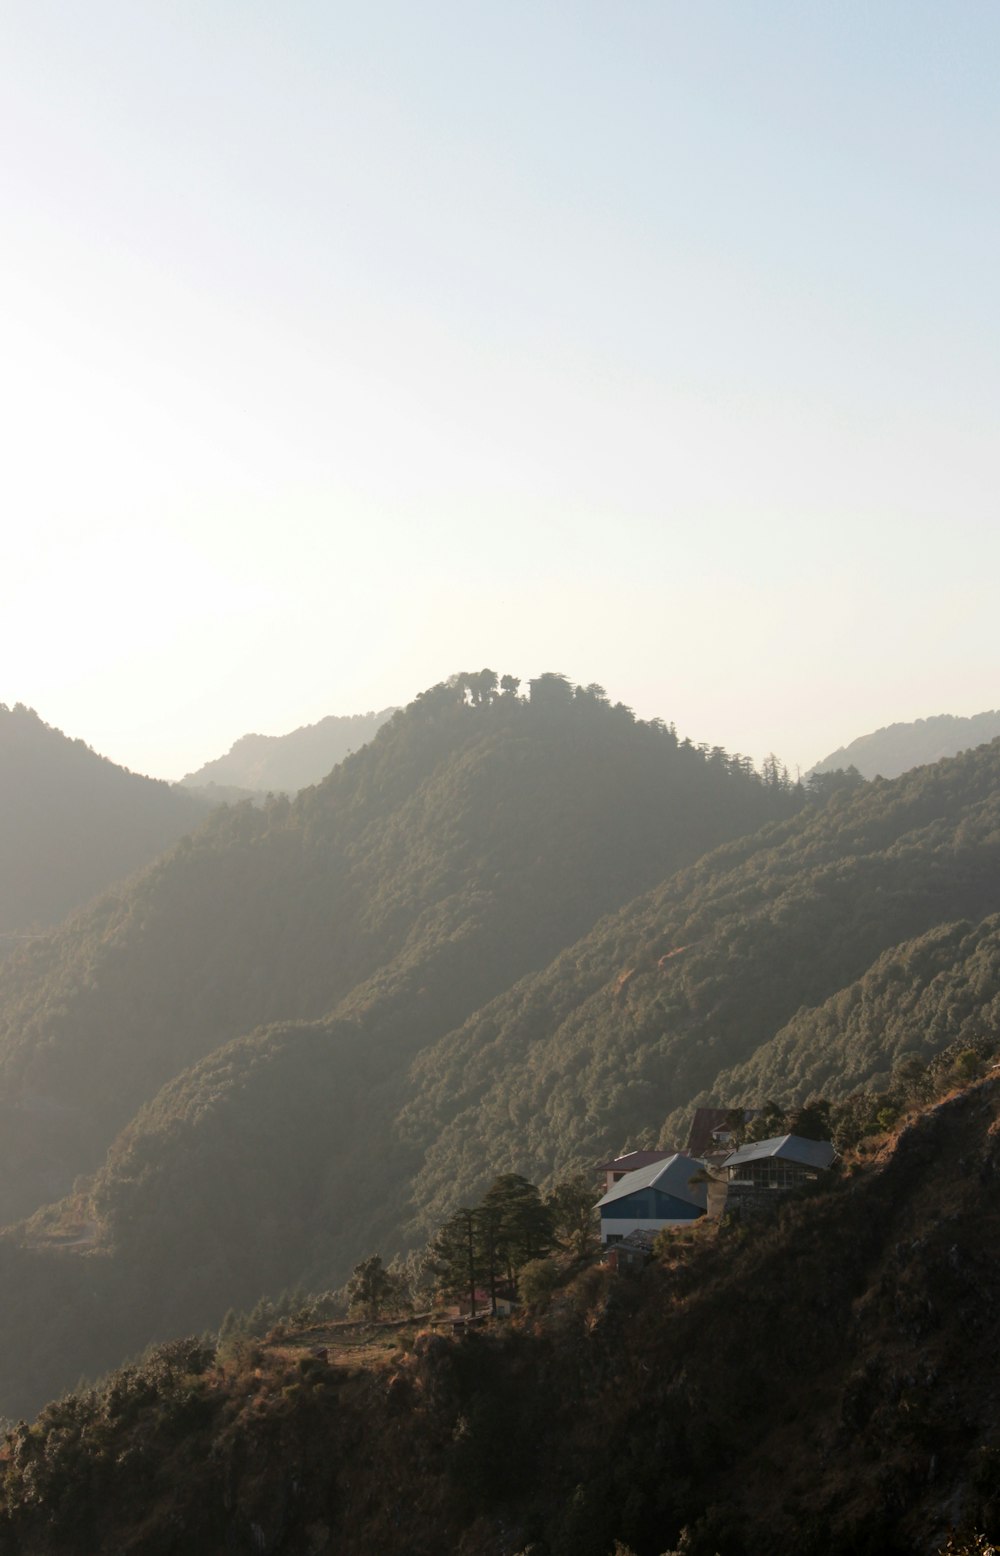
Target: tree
{"x":454,"y":1256}
{"x":571,"y":1210}
{"x":372,"y":1288}
{"x":811,"y":1121}
{"x":483,"y":686}
{"x":821,"y":785}
{"x":774,"y":773}
{"x":539,"y":1279}
{"x":770,"y":1121}
{"x":520,"y":1222}
{"x":551,"y":690}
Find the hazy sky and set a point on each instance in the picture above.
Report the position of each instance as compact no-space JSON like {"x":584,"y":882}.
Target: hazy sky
{"x":349,"y":345}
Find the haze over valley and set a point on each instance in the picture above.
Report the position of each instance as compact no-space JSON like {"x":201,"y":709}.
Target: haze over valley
{"x":500,"y":780}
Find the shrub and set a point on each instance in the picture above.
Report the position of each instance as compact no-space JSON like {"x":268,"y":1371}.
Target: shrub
{"x":537,"y":1281}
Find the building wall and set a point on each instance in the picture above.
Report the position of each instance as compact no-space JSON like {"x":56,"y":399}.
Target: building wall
{"x":649,"y":1205}
{"x":616,"y":1226}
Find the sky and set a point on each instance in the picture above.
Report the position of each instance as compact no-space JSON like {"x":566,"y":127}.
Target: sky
{"x":346,"y":347}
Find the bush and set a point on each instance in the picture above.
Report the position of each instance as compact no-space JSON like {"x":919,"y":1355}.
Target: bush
{"x":537,"y":1281}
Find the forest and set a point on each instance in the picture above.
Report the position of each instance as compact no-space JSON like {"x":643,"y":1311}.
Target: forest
{"x":72,"y":823}
{"x":821,"y":1382}
{"x":516,"y":932}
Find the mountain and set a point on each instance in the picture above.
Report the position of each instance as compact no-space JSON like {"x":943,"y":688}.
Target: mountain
{"x":894,"y":750}
{"x":742,"y":971}
{"x":226,"y":1040}
{"x":72,"y":822}
{"x":314,"y":1028}
{"x":283,"y":764}
{"x":820,"y":1383}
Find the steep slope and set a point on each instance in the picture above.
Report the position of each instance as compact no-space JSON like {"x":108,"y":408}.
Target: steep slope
{"x":897,"y":748}
{"x":287,"y":763}
{"x":657,"y":1006}
{"x":72,"y":823}
{"x":939,"y":989}
{"x":821,"y":1385}
{"x":465,"y":846}
{"x":501,"y":828}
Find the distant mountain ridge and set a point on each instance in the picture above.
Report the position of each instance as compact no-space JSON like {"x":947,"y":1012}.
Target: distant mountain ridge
{"x":897,"y":748}
{"x":72,"y":822}
{"x":284,"y":764}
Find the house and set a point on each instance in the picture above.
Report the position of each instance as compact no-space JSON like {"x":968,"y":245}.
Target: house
{"x":784,"y":1162}
{"x":652,"y":1197}
{"x":711,"y":1130}
{"x":630,"y":1162}
{"x":632,"y":1253}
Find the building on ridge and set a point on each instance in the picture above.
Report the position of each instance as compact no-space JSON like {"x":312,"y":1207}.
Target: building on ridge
{"x":615,"y":1170}
{"x":665,"y":1193}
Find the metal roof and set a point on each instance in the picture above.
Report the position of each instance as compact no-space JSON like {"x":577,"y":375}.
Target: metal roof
{"x":669,"y":1177}
{"x":788,"y":1148}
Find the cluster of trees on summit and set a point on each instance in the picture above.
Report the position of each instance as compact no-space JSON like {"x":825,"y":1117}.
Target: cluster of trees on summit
{"x":553,"y":693}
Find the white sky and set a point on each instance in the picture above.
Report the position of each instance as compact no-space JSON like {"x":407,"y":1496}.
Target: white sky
{"x":346,"y":346}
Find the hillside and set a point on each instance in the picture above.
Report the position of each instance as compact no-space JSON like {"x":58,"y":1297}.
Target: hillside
{"x":681,"y":995}
{"x":245,"y":1013}
{"x":284,"y":764}
{"x":72,"y":823}
{"x":255,"y":1167}
{"x":897,"y":748}
{"x":458,"y":962}
{"x":465,"y":846}
{"x":936,"y":990}
{"x":819,"y":1385}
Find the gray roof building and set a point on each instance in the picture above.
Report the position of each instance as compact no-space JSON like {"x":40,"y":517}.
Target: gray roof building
{"x":670,"y":1177}
{"x":816,"y":1155}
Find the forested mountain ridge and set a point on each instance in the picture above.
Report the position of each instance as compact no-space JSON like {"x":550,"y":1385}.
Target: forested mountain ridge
{"x":661,"y":1004}
{"x":820,"y":1385}
{"x":470,"y":946}
{"x":506,"y":823}
{"x":896,"y":748}
{"x":939,"y":989}
{"x":475,"y":837}
{"x":72,"y":822}
{"x":287,"y":763}
{"x":655,"y":1004}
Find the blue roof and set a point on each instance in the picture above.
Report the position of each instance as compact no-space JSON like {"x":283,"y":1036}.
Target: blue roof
{"x":669,"y":1177}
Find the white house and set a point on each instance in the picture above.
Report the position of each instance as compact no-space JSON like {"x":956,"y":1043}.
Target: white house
{"x":653,"y":1197}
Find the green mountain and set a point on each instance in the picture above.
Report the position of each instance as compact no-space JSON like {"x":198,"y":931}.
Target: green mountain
{"x":314,"y":1028}
{"x":822,"y":1383}
{"x":895,"y":749}
{"x":72,"y":823}
{"x":227,"y":1039}
{"x":939,"y":989}
{"x":284,"y":764}
{"x":681,"y":996}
